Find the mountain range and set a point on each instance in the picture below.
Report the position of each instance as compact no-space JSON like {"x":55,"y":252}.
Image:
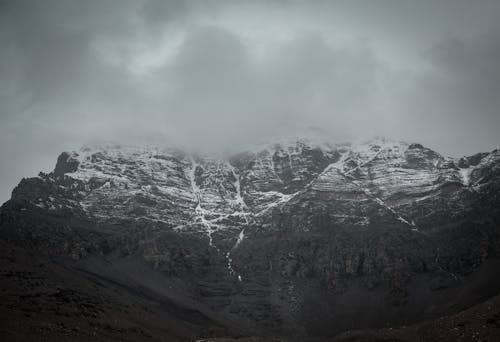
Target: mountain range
{"x":292,"y":239}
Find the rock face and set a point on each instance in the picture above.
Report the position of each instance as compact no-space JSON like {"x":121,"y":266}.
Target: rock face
{"x":292,"y":238}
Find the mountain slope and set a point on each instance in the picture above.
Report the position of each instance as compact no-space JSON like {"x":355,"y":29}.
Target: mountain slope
{"x":292,"y":238}
{"x":479,"y":323}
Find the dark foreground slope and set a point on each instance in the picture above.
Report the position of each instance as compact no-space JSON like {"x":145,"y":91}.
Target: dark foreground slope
{"x":294,"y":240}
{"x":42,"y":300}
{"x":479,"y":323}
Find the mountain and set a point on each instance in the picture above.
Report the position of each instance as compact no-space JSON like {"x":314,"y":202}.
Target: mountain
{"x":296,"y":238}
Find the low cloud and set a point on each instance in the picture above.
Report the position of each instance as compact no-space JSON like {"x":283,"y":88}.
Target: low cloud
{"x":218,"y":73}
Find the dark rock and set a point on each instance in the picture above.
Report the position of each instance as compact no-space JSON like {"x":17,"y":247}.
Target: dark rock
{"x":66,"y":163}
{"x":415,"y":146}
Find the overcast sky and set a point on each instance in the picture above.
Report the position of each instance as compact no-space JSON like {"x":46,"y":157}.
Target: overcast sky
{"x":218,"y":72}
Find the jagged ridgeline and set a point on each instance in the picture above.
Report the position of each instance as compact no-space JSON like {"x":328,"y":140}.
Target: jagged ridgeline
{"x":289,"y":239}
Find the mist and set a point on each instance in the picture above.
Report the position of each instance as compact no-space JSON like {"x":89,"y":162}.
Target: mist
{"x":217,"y":73}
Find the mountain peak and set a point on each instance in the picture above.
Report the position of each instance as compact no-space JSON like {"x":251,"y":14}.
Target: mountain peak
{"x":181,"y":190}
{"x":249,"y":236}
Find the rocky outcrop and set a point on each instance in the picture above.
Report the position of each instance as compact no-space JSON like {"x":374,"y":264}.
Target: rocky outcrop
{"x":66,"y":162}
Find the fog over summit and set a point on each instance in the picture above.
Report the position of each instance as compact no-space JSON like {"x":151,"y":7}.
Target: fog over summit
{"x":214,"y":74}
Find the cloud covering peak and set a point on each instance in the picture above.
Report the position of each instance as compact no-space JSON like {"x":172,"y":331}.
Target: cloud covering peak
{"x":213,"y":73}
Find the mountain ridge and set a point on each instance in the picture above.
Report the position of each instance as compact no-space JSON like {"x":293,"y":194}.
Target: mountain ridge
{"x":280,"y":240}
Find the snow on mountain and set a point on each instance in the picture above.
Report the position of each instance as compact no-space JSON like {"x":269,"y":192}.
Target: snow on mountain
{"x":195,"y":193}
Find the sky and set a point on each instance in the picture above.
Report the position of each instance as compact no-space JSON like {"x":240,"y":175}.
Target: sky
{"x":218,"y":73}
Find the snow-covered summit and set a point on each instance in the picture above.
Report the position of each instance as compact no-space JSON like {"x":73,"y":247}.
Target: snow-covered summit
{"x":214,"y":194}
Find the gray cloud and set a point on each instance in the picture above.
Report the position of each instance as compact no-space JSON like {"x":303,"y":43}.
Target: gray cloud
{"x":217,"y":72}
{"x":222,"y":92}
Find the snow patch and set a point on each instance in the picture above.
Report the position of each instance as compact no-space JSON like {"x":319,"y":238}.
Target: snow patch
{"x":237,"y":185}
{"x":465,"y":175}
